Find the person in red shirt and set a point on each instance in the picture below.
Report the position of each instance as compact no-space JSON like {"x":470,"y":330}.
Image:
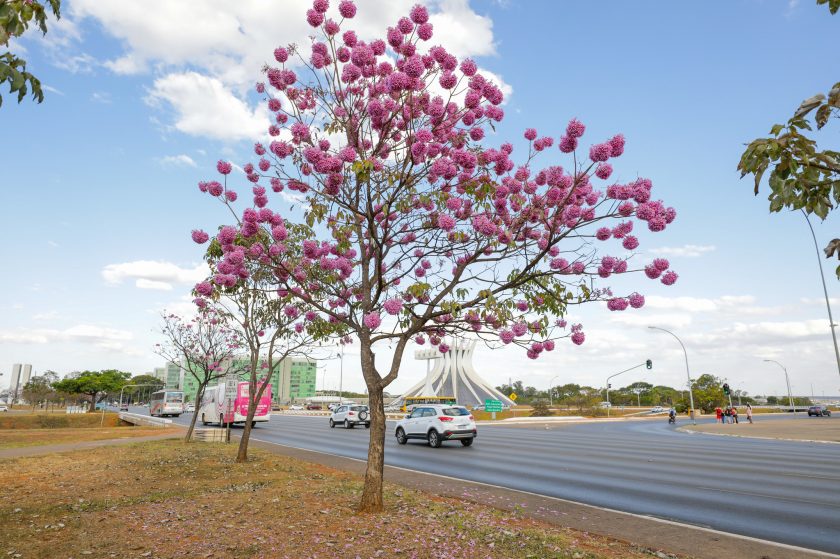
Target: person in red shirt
{"x":718,"y":415}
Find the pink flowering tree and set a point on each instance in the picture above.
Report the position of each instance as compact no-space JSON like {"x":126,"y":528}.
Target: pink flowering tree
{"x":202,"y":347}
{"x":421,"y":226}
{"x":271,"y":323}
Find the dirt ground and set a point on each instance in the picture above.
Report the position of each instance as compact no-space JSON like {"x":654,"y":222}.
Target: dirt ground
{"x":812,"y":429}
{"x":165,"y":499}
{"x":16,"y":438}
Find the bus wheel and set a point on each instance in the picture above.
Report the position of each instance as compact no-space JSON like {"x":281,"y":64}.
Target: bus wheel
{"x":221,"y":420}
{"x":203,"y":421}
{"x":253,"y":424}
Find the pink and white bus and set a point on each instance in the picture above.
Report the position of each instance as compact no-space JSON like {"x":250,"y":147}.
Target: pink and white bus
{"x":215,"y":408}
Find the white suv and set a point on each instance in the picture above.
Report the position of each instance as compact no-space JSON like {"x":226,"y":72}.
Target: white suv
{"x":350,"y":416}
{"x":436,"y":423}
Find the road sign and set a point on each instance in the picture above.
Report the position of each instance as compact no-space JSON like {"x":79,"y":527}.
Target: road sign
{"x":513,"y":396}
{"x":231,"y":384}
{"x":492,"y":405}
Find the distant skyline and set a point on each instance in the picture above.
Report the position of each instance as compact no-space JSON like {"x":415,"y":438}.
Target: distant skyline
{"x":100,"y":192}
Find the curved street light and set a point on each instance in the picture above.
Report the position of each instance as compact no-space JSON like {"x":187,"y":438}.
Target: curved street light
{"x":787,"y":380}
{"x":687,"y":373}
{"x":825,"y":291}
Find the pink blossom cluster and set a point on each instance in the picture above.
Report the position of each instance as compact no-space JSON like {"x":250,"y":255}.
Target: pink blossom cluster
{"x":462,"y":203}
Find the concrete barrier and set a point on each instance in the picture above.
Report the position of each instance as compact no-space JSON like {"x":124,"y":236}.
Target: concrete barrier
{"x":145,"y":420}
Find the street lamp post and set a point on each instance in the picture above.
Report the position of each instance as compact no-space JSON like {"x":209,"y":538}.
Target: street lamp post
{"x":551,"y":391}
{"x":787,"y":381}
{"x":687,"y":373}
{"x":825,"y":291}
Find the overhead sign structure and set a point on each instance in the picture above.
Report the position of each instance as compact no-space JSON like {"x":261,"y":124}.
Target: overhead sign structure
{"x":492,"y":405}
{"x":513,"y":396}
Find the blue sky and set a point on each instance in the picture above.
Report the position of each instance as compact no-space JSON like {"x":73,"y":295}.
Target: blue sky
{"x":99,"y":181}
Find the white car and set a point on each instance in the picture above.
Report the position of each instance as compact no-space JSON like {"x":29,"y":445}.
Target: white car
{"x":4,"y":407}
{"x":436,"y":423}
{"x":296,"y":407}
{"x":189,"y":408}
{"x":657,"y":409}
{"x":350,"y":416}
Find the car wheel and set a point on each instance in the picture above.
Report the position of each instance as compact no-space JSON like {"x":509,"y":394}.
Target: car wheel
{"x":401,"y":438}
{"x":203,"y":420}
{"x":347,"y":424}
{"x":332,"y":424}
{"x":434,"y":439}
{"x":367,"y":425}
{"x":467,"y":442}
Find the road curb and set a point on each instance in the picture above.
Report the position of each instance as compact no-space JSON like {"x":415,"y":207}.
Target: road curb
{"x":646,"y":531}
{"x":693,"y":432}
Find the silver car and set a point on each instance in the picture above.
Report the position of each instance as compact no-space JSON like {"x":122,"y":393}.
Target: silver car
{"x":350,"y":415}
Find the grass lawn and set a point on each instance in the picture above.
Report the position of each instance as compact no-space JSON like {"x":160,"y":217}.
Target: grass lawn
{"x":15,"y":438}
{"x":165,"y":499}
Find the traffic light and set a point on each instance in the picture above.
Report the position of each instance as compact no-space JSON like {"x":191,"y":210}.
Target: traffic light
{"x":649,"y":364}
{"x":609,"y":385}
{"x":726,"y":388}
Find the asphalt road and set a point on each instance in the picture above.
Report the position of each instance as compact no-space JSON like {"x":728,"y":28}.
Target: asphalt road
{"x":780,"y":491}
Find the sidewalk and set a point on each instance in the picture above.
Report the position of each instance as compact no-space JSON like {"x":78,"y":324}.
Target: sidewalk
{"x":19,"y":452}
{"x":814,"y":429}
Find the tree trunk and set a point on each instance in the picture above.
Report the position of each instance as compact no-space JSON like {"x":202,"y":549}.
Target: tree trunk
{"x":242,"y":453}
{"x":199,"y":395}
{"x":372,"y":494}
{"x":92,"y":404}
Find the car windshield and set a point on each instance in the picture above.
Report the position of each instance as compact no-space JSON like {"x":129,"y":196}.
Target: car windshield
{"x":455,"y":411}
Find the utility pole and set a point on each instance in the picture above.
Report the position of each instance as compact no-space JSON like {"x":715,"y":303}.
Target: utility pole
{"x":787,"y":381}
{"x":825,"y":291}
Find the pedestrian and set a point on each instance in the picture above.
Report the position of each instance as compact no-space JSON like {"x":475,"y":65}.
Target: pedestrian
{"x":718,"y":415}
{"x":749,"y":413}
{"x":734,"y":415}
{"x":727,"y":415}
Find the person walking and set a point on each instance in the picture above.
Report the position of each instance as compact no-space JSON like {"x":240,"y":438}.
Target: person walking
{"x":749,"y":413}
{"x":734,"y":415}
{"x":718,"y":415}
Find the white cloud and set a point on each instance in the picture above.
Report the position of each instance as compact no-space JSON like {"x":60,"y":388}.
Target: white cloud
{"x":49,"y":315}
{"x":688,"y":251}
{"x":177,"y":161}
{"x":205,"y":107}
{"x":150,"y":284}
{"x":101,"y":97}
{"x":53,"y":90}
{"x":206,"y":68}
{"x":150,"y":274}
{"x":109,"y":339}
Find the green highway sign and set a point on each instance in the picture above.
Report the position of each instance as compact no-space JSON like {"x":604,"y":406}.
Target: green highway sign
{"x":492,"y":405}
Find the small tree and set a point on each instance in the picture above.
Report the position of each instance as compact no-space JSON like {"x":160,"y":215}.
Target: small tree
{"x":203,"y":348}
{"x":270,"y":324}
{"x":94,"y":384}
{"x":39,"y":389}
{"x":420,"y":231}
{"x":541,"y":409}
{"x":708,"y":393}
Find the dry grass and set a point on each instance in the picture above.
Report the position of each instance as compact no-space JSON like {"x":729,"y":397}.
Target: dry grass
{"x":164,"y":499}
{"x":57,"y":421}
{"x":36,"y":437}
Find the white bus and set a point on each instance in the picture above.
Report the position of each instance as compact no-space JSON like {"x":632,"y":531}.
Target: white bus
{"x":166,"y":402}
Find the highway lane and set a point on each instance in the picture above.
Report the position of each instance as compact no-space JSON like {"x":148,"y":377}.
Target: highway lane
{"x":781,"y":491}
